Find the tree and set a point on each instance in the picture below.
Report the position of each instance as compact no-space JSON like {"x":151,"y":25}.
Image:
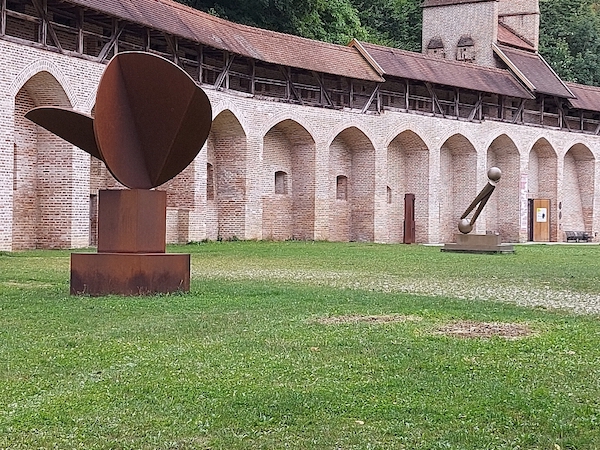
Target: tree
{"x":326,"y":20}
{"x":395,"y":23}
{"x":570,"y":39}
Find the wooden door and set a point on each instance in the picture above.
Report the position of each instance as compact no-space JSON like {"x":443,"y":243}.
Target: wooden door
{"x":409,"y":219}
{"x":541,"y":220}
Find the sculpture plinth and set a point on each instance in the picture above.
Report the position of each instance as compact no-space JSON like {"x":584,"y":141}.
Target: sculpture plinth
{"x":131,"y":258}
{"x":478,"y":243}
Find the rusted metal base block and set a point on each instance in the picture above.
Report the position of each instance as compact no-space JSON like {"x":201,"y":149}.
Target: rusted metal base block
{"x":132,"y":221}
{"x":129,"y":273}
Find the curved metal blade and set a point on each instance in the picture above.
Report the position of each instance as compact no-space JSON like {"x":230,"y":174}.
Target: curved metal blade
{"x":151,"y":119}
{"x":72,"y":126}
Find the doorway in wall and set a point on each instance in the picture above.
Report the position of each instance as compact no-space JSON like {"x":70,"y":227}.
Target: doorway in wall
{"x":538,"y":220}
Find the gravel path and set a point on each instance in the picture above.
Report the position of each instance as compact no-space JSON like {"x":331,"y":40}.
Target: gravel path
{"x":521,"y":294}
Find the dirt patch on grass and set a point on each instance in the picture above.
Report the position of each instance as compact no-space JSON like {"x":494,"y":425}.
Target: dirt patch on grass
{"x":377,"y":319}
{"x":471,"y":329}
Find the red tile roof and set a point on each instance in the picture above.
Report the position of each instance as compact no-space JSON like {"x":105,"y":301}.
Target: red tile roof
{"x":416,"y":66}
{"x":587,"y":97}
{"x":268,"y":46}
{"x":533,"y":71}
{"x":509,"y":37}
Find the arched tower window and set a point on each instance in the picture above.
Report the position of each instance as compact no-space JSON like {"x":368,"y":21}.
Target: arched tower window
{"x":281,"y":182}
{"x":389,"y":194}
{"x":341,"y":191}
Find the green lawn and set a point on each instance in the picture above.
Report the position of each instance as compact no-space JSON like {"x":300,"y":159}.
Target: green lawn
{"x":308,"y":346}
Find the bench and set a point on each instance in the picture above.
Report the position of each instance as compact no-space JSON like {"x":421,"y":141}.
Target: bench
{"x":578,"y":236}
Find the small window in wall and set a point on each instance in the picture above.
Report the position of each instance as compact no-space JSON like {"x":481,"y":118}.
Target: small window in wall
{"x":465,"y":50}
{"x":281,"y":182}
{"x":210,"y":182}
{"x":341,"y":192}
{"x":389,"y":194}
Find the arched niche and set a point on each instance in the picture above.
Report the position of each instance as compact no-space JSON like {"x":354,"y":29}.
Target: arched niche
{"x":407,"y":173}
{"x":352,"y":155}
{"x":542,"y":181}
{"x":458,"y":183}
{"x":226,"y":153}
{"x":502,"y":210}
{"x":577,"y":201}
{"x":288,"y":177}
{"x":50,"y":199}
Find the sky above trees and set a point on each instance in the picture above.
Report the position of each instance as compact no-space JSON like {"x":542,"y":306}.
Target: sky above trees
{"x":569,"y":34}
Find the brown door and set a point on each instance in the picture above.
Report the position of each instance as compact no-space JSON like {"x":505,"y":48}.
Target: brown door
{"x":541,"y":220}
{"x":409,"y":218}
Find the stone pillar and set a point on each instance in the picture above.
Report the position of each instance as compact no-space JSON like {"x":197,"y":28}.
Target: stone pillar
{"x":323,"y":190}
{"x":6,"y":174}
{"x":380,"y":223}
{"x":435,"y":184}
{"x":254,"y":187}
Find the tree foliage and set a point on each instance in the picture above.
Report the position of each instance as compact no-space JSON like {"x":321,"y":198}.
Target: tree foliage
{"x":570,"y":39}
{"x":569,"y":34}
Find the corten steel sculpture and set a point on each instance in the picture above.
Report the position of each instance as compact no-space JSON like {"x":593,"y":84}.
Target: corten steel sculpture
{"x":479,"y":243}
{"x":151,"y":121}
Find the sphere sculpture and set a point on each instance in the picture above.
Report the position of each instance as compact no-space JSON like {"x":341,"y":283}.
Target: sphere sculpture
{"x":465,"y":225}
{"x":151,"y":120}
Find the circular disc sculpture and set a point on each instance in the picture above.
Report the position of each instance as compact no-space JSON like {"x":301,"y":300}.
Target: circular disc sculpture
{"x":151,"y":120}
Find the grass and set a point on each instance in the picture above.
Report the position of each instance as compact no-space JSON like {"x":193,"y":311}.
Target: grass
{"x":245,"y":362}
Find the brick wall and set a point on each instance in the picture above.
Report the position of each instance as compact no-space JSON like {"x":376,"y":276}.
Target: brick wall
{"x":47,"y":188}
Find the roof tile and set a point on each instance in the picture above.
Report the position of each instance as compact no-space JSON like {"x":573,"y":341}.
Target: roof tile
{"x":269,"y":46}
{"x":535,"y":70}
{"x":416,"y":66}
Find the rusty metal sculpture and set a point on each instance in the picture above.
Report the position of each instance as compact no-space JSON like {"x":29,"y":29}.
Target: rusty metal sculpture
{"x":478,"y":243}
{"x":151,"y":121}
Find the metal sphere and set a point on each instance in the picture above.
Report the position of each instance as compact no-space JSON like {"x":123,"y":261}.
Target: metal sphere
{"x":494,"y":174}
{"x":464,"y":226}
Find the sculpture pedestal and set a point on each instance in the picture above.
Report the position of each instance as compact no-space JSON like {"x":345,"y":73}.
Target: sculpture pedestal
{"x":131,"y":258}
{"x":478,"y":243}
{"x":129,"y":273}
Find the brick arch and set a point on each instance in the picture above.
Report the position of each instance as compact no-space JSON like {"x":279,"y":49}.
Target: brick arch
{"x":226,"y":151}
{"x":407,"y":172}
{"x":355,"y":127}
{"x":231,"y":108}
{"x":352,"y":157}
{"x":502,"y":210}
{"x":458,"y":182}
{"x":47,"y":71}
{"x":575,"y":209}
{"x":287,"y":118}
{"x":50,"y":199}
{"x":413,"y":128}
{"x":542,"y":179}
{"x":288,"y":212}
